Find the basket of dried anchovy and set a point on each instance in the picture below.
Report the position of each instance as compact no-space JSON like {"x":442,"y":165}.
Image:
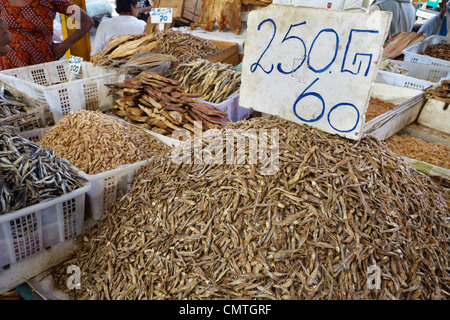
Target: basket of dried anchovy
{"x":42,"y":199}
{"x":22,"y":112}
{"x":108,"y":151}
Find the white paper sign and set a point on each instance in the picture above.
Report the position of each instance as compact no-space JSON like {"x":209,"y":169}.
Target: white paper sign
{"x":161,"y":15}
{"x":312,"y":66}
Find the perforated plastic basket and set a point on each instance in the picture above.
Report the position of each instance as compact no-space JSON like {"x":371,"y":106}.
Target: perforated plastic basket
{"x":48,"y":83}
{"x":28,"y":231}
{"x":418,"y":75}
{"x":107,"y":186}
{"x":414,"y":52}
{"x":232,"y":108}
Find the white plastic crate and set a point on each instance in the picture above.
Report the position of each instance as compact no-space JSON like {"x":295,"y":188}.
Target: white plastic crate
{"x":414,"y":52}
{"x":418,"y":75}
{"x":106,"y":187}
{"x":48,"y":83}
{"x":232,"y":108}
{"x":34,"y":135}
{"x":30,"y":230}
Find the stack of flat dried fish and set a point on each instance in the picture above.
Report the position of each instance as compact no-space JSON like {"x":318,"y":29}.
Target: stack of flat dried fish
{"x":124,"y":47}
{"x":30,"y":174}
{"x":394,"y":47}
{"x":184,"y":46}
{"x":156,"y":103}
{"x":438,"y":51}
{"x":334,"y":208}
{"x":147,"y":61}
{"x":212,"y":82}
{"x":439,"y":92}
{"x":95,"y":142}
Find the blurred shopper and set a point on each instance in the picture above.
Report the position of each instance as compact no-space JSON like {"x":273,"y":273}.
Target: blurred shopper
{"x":31,"y":25}
{"x":125,"y":23}
{"x":403,"y":14}
{"x":440,"y":24}
{"x":5,"y":37}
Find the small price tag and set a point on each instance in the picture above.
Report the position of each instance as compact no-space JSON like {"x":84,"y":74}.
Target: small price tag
{"x":161,"y":15}
{"x":75,"y":64}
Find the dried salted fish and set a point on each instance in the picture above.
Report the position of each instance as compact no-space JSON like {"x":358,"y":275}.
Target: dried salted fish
{"x":184,"y":46}
{"x":30,"y":174}
{"x":377,"y":107}
{"x":311,"y":230}
{"x":156,"y":103}
{"x":212,"y":82}
{"x":95,"y":142}
{"x":434,"y":153}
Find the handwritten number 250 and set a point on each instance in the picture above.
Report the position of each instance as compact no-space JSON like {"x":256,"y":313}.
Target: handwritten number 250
{"x":287,"y":37}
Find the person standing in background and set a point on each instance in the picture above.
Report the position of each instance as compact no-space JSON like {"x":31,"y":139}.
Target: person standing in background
{"x":403,"y":14}
{"x":31,"y":25}
{"x":440,"y":24}
{"x":144,"y":8}
{"x":125,"y":23}
{"x":5,"y":37}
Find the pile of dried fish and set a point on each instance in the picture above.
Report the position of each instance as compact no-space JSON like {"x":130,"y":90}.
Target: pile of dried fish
{"x":184,"y":46}
{"x":392,"y":66}
{"x":124,"y":47}
{"x":212,"y":82}
{"x":394,"y":47}
{"x":21,"y":111}
{"x":311,"y":230}
{"x":377,"y":107}
{"x":30,"y":174}
{"x":147,"y":61}
{"x":438,"y":51}
{"x":439,"y":92}
{"x":435,"y":153}
{"x":156,"y":103}
{"x":95,"y":142}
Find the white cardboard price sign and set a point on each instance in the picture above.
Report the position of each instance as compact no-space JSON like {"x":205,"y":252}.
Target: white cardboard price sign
{"x":161,"y":15}
{"x":312,"y":66}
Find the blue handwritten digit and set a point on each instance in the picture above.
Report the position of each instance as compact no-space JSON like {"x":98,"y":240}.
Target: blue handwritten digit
{"x":357,"y":55}
{"x":255,"y":65}
{"x":338,"y":106}
{"x":303,"y":95}
{"x":286,"y":37}
{"x":335,"y":51}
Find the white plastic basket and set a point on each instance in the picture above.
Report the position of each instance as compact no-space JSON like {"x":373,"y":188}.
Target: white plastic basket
{"x":418,"y":75}
{"x":231,"y":106}
{"x":34,"y":135}
{"x":414,"y":52}
{"x":30,"y":230}
{"x":48,"y":83}
{"x":106,"y":187}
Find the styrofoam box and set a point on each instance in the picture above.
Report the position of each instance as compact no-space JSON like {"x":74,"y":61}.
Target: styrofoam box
{"x":419,"y":75}
{"x":232,"y":108}
{"x":48,"y":83}
{"x":414,"y":52}
{"x":30,"y":230}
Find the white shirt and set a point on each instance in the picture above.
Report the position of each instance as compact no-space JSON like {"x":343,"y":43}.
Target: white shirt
{"x":116,"y":26}
{"x":433,"y":26}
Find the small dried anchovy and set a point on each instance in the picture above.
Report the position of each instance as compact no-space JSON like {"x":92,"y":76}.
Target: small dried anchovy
{"x":30,"y":174}
{"x":333,"y":209}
